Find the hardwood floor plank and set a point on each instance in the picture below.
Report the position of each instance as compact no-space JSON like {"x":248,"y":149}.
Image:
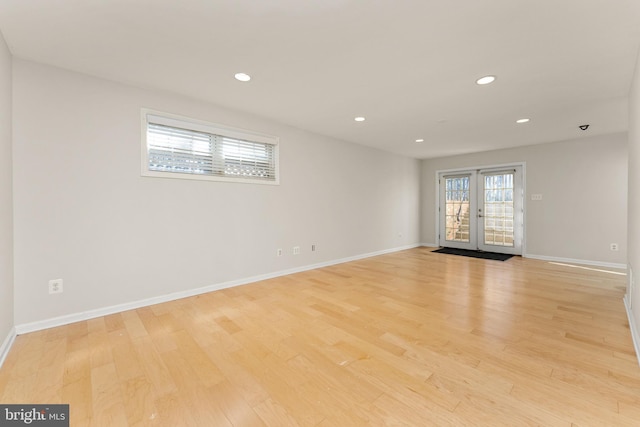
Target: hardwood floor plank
{"x":247,"y":385}
{"x":138,"y":396}
{"x":274,"y":415}
{"x":125,"y":358}
{"x":155,"y":371}
{"x":281,"y":382}
{"x":172,"y":411}
{"x":233,"y":405}
{"x":51,"y":373}
{"x":393,"y":410}
{"x":108,"y":403}
{"x":114,"y":322}
{"x":315,"y":362}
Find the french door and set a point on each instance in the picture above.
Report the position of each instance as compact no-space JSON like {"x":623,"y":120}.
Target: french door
{"x":482,"y":209}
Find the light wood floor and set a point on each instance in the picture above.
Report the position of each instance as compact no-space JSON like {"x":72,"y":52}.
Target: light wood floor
{"x":411,"y":338}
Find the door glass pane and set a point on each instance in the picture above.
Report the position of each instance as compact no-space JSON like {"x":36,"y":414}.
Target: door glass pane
{"x":498,"y":209}
{"x":457,"y":209}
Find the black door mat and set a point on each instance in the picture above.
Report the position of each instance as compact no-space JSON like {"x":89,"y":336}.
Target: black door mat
{"x":474,"y":254}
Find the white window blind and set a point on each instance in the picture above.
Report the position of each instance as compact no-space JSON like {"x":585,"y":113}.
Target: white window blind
{"x":202,"y":150}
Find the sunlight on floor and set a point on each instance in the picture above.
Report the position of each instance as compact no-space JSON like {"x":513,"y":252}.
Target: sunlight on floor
{"x":589,"y":268}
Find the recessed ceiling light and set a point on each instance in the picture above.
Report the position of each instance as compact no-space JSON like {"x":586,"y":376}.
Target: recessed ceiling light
{"x":420,"y":140}
{"x":523,"y":121}
{"x":486,"y":80}
{"x":359,"y":119}
{"x":242,"y":77}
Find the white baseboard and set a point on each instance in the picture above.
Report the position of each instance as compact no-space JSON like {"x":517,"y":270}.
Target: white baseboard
{"x":105,"y":311}
{"x":429,"y":245}
{"x":6,"y":345}
{"x":577,"y":261}
{"x":635,"y":335}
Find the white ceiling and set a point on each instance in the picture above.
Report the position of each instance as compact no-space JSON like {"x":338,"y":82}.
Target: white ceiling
{"x":408,"y":66}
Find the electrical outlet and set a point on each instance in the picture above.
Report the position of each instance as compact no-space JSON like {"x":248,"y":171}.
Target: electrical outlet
{"x":55,"y":286}
{"x":279,"y":252}
{"x":296,"y":250}
{"x":614,"y":247}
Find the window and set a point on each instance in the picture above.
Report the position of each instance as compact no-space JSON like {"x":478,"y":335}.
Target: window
{"x":176,"y":147}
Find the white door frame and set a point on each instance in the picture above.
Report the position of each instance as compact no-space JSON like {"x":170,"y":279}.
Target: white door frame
{"x":440,"y":239}
{"x":518,"y":211}
{"x":473,"y":208}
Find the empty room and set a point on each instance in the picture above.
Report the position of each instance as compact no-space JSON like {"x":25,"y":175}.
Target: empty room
{"x":319,"y":213}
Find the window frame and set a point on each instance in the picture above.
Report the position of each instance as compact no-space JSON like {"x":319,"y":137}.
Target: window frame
{"x":174,"y":120}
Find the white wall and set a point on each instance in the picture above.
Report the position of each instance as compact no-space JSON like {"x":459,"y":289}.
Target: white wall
{"x":633,"y":297}
{"x":584,"y":187}
{"x":84,"y":214}
{"x":6,"y":197}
